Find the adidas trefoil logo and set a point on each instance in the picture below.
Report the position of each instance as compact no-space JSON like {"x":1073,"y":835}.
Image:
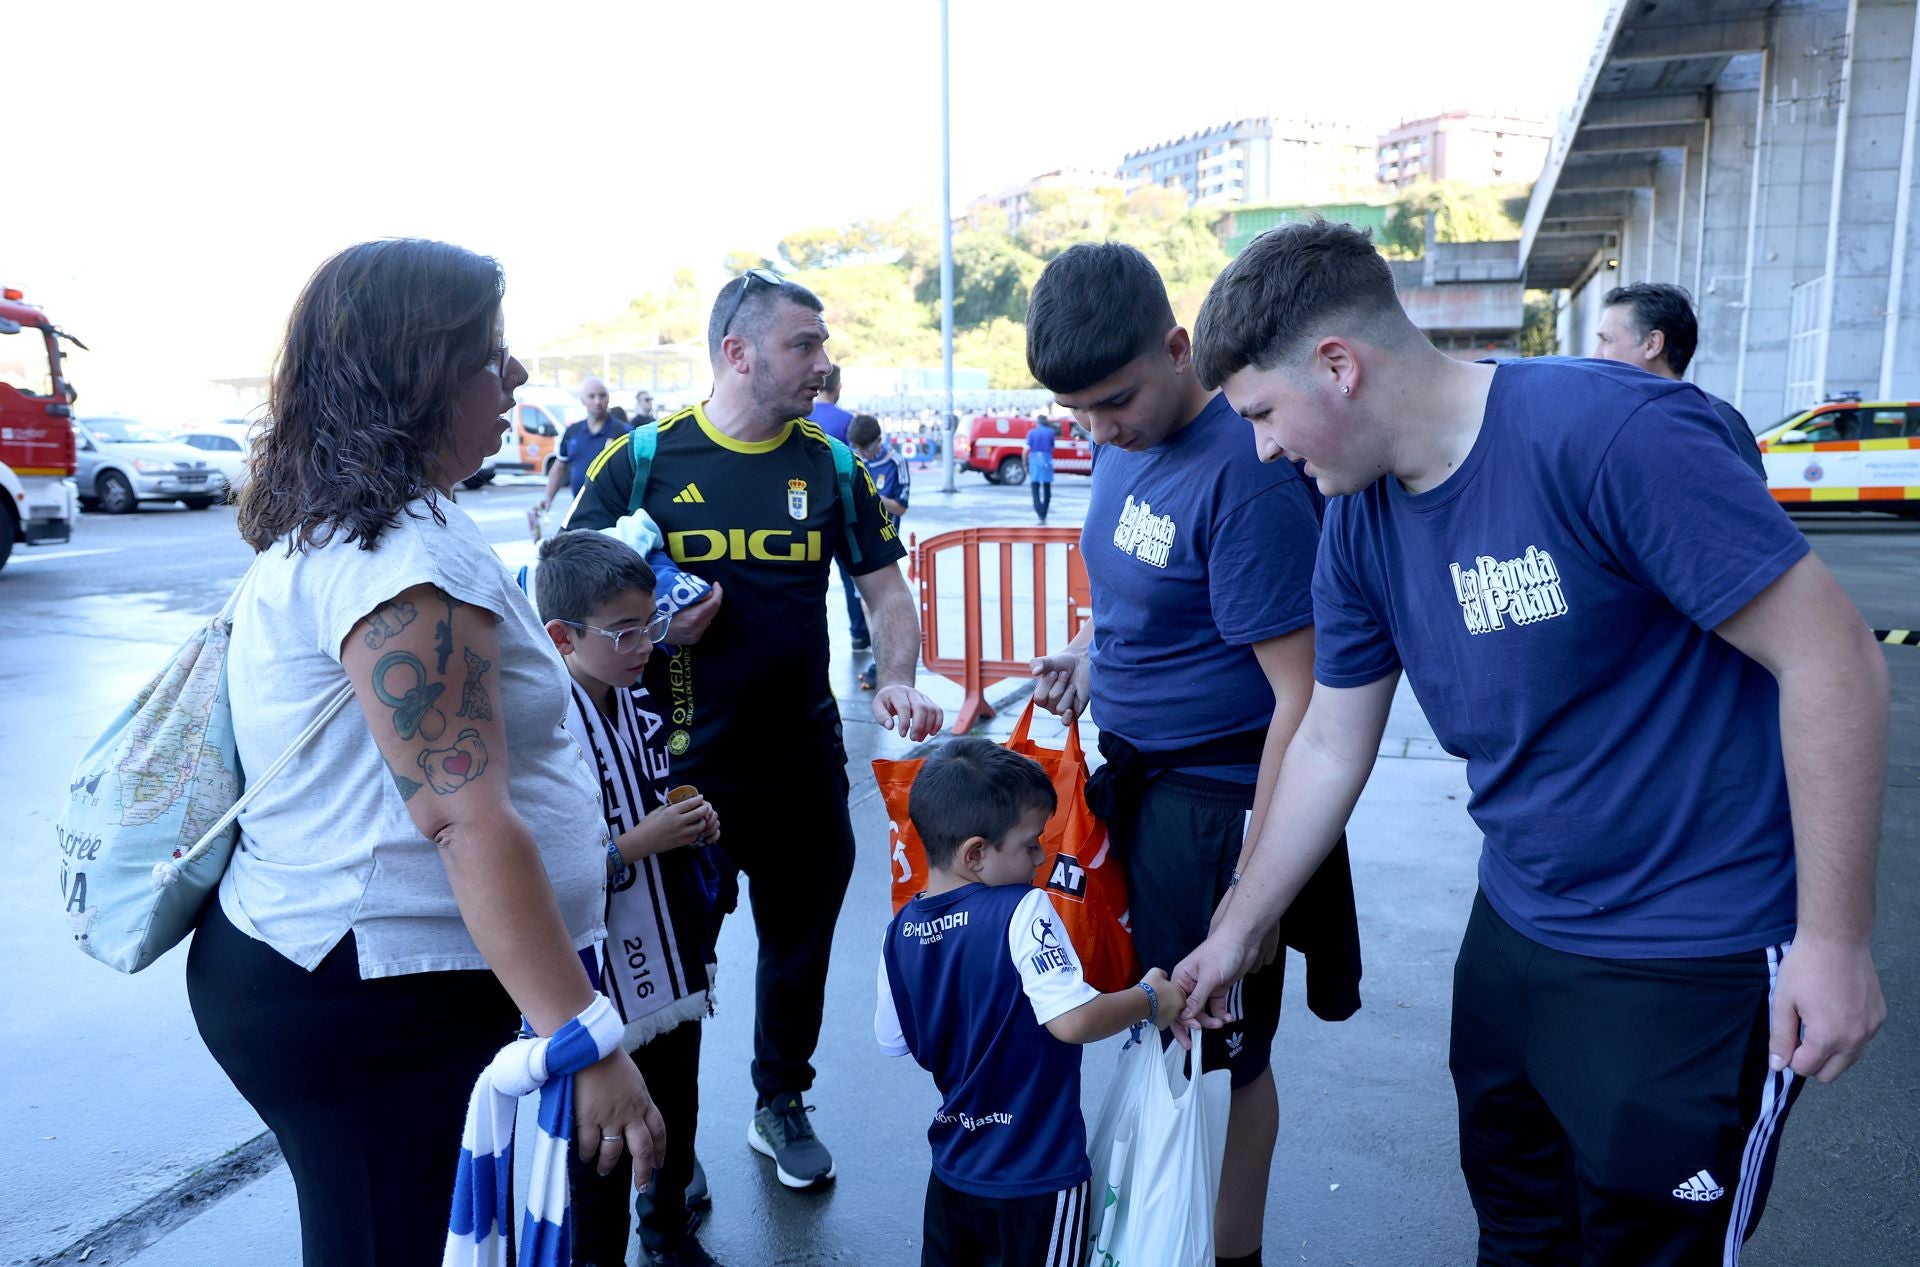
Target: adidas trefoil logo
{"x":691,"y":493}
{"x":1701,"y":1187}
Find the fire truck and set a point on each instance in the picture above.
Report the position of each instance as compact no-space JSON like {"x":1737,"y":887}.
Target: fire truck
{"x":38,"y":501}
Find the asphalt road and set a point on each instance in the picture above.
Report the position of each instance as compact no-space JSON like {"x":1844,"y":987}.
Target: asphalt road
{"x":111,"y":1100}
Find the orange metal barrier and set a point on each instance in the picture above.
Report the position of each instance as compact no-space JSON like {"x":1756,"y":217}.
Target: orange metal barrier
{"x":971,"y":667}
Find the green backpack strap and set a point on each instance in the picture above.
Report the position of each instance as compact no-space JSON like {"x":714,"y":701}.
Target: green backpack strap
{"x":641,"y":442}
{"x":843,"y":474}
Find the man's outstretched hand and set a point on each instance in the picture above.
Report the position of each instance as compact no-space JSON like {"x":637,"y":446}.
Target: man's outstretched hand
{"x":1062,"y":684}
{"x":1206,"y":975}
{"x":906,"y":711}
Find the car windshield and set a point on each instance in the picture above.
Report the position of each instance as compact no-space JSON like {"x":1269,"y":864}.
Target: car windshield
{"x":123,"y":431}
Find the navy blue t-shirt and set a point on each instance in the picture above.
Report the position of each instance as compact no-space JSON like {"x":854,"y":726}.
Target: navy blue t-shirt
{"x":1552,"y":602}
{"x":579,"y":446}
{"x":968,"y":980}
{"x":831,"y":418}
{"x":1195,"y":550}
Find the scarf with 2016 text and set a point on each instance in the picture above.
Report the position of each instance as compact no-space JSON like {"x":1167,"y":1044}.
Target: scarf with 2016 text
{"x":656,"y":965}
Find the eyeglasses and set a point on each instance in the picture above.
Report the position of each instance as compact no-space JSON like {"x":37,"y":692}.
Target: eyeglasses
{"x":652,"y":633}
{"x":747,"y":279}
{"x":498,"y":363}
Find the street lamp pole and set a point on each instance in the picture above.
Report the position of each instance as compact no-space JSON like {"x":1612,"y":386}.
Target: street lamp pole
{"x":947,"y":422}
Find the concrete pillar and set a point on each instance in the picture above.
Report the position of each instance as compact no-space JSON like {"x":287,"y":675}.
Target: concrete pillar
{"x":1900,"y":347}
{"x":1581,"y":319}
{"x":1729,"y":155}
{"x":1865,"y":192}
{"x":1637,"y":252}
{"x":1806,"y":65}
{"x":1699,"y":155}
{"x":1668,"y":211}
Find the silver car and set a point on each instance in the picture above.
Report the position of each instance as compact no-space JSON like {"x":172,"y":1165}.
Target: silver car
{"x":121,"y":464}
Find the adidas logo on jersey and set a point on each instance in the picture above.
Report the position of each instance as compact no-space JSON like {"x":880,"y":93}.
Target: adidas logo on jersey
{"x":1701,"y":1187}
{"x":691,"y":493}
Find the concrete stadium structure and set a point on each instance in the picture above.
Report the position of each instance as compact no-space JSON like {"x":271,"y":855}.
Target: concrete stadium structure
{"x":1761,"y":154}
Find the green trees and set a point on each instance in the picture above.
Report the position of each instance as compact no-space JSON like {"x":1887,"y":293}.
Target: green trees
{"x":879,"y":279}
{"x":1461,"y":212}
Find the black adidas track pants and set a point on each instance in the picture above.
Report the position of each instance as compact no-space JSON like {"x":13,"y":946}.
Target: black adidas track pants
{"x":1613,"y":1112}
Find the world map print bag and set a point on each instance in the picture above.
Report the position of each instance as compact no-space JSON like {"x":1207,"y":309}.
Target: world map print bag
{"x":149,"y":824}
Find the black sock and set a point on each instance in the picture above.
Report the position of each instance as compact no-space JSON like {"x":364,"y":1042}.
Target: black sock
{"x":1250,"y":1260}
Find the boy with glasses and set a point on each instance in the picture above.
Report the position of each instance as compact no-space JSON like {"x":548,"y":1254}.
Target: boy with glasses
{"x":664,"y":887}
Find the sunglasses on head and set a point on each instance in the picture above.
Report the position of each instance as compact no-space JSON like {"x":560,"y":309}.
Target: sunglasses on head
{"x":747,"y":279}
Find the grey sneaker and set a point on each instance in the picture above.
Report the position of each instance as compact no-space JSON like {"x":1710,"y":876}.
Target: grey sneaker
{"x":781,"y":1131}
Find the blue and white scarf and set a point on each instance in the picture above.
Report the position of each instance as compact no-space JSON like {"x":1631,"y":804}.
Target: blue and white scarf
{"x":479,"y":1232}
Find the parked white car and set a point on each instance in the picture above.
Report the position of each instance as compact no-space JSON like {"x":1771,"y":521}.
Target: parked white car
{"x":121,"y":464}
{"x":224,"y":445}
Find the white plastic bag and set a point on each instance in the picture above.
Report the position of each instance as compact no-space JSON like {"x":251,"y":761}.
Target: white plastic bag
{"x":1110,"y":1147}
{"x":1158,"y":1145}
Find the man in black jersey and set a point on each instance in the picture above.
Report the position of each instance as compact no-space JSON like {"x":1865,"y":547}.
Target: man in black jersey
{"x":746,"y":493}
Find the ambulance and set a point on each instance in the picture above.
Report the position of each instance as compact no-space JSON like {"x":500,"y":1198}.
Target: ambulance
{"x":1846,"y":454}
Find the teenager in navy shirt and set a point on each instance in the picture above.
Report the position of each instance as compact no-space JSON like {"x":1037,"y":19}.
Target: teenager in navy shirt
{"x":1197,"y":663}
{"x":1674,"y":724}
{"x":981,"y":985}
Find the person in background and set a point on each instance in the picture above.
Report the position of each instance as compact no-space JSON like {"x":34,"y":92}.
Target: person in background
{"x":894,"y":482}
{"x":1040,"y":465}
{"x":642,"y":407}
{"x":581,"y":443}
{"x":827,"y":414}
{"x":1650,"y":325}
{"x":429,"y":870}
{"x":830,"y":418}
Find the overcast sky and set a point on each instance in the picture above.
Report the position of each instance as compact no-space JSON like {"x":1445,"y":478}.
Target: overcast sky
{"x":184,"y":166}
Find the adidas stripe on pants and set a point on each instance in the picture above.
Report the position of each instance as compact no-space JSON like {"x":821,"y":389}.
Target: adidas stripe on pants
{"x":1613,"y":1112}
{"x":962,"y":1230}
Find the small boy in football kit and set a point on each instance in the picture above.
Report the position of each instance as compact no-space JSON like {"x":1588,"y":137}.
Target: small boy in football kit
{"x":981,"y":985}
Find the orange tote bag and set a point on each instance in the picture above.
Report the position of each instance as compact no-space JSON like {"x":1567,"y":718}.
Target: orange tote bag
{"x":1081,"y":873}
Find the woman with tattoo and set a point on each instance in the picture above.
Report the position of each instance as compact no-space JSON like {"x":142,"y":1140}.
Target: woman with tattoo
{"x":403,"y":892}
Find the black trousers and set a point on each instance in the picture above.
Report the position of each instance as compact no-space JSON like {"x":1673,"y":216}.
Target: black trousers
{"x":601,"y":1225}
{"x":1042,"y":497}
{"x":1180,"y":840}
{"x":959,"y":1229}
{"x":794,"y":841}
{"x":1613,"y":1112}
{"x":364,"y":1083}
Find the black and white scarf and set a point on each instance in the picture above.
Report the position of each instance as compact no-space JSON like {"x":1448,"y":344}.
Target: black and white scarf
{"x":657,"y":963}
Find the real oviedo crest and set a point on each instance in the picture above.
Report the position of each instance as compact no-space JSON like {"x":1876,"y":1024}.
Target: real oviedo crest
{"x":797,"y":498}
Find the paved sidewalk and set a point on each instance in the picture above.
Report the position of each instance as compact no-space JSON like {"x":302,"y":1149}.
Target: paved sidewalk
{"x":1366,"y":1171}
